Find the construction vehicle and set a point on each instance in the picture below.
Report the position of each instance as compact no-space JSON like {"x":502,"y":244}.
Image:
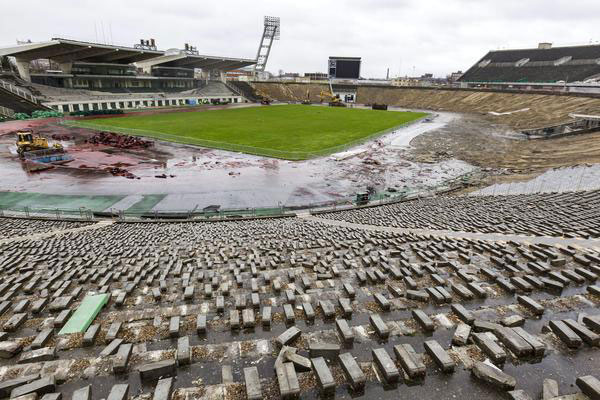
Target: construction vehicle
{"x":27,"y":142}
{"x":265,"y":99}
{"x":307,"y":98}
{"x":333,"y":100}
{"x":37,"y":155}
{"x":362,"y":198}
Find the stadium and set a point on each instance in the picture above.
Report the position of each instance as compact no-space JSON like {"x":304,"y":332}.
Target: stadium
{"x":175,"y":225}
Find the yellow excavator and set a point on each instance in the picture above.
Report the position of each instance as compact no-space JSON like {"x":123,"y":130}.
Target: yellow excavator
{"x":265,"y":99}
{"x":329,"y":97}
{"x":26,"y":142}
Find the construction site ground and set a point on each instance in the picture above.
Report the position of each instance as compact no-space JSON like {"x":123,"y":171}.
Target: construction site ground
{"x":167,"y":176}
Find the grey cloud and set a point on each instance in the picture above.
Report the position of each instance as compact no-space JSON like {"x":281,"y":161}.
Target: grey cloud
{"x":438,"y":36}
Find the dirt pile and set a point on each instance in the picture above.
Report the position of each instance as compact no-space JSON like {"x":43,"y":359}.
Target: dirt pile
{"x":292,"y":91}
{"x":58,"y":136}
{"x":119,"y":141}
{"x":517,"y":110}
{"x":116,"y":171}
{"x":535,"y":110}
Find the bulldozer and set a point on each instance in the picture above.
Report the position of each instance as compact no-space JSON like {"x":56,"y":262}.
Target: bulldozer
{"x":333,"y":100}
{"x":27,"y":142}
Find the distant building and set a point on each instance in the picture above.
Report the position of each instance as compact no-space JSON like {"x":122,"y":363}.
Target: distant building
{"x":455,"y":76}
{"x":239,"y":74}
{"x":316,"y":76}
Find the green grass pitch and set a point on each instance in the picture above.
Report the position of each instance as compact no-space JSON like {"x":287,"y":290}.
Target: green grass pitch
{"x":284,"y":131}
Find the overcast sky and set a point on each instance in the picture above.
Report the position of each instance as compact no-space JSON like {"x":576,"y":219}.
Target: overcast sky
{"x":437,"y":36}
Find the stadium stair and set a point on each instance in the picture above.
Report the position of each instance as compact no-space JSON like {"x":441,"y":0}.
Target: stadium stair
{"x":245,"y":89}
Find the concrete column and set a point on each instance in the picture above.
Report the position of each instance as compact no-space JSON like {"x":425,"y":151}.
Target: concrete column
{"x":23,"y":69}
{"x":222,"y":76}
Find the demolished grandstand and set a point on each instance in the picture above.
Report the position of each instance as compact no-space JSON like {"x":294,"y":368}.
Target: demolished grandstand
{"x":150,"y":269}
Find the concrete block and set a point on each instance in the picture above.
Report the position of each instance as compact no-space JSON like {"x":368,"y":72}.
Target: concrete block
{"x":465,"y":315}
{"x":566,"y":334}
{"x":184,"y":352}
{"x":308,"y":311}
{"x":323,"y":375}
{"x":252,"y":380}
{"x":385,"y":364}
{"x":85,"y":393}
{"x":352,"y":371}
{"x":90,"y":334}
{"x":589,"y":385}
{"x":489,"y":346}
{"x":532,"y":305}
{"x":201,"y":324}
{"x":248,"y":319}
{"x":288,"y":311}
{"x":122,"y":358}
{"x":9,"y":349}
{"x":33,"y":356}
{"x":159,"y":369}
{"x":266,"y":316}
{"x":40,"y":387}
{"x":513,"y":320}
{"x":411,"y":361}
{"x":329,"y":351}
{"x":423,"y":320}
{"x":439,"y":355}
{"x":42,"y":338}
{"x":538,"y":346}
{"x":301,"y":364}
{"x":549,"y":389}
{"x":345,"y":332}
{"x":514,"y":342}
{"x":380,"y":327}
{"x":288,"y":380}
{"x":119,"y":391}
{"x":592,"y":322}
{"x":289,"y":336}
{"x":8,"y":385}
{"x":461,"y":334}
{"x":493,"y":375}
{"x":111,"y":348}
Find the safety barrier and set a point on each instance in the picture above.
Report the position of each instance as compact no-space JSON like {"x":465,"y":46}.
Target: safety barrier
{"x":7,"y":86}
{"x":6,"y":112}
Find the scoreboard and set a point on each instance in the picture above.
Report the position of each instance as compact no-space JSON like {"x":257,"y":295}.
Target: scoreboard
{"x":344,"y":67}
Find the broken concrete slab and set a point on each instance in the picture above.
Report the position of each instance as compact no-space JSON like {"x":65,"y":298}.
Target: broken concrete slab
{"x":493,"y":375}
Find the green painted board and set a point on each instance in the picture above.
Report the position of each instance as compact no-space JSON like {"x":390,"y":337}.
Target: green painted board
{"x":86,"y":313}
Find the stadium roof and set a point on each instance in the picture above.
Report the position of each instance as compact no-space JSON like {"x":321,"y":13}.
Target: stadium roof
{"x":66,"y":50}
{"x":185,"y":60}
{"x":542,"y":64}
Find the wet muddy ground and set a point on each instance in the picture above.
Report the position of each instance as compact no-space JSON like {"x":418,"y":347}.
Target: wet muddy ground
{"x":420,"y":155}
{"x":197,"y":177}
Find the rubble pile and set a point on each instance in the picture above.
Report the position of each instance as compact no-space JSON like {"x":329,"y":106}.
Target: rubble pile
{"x":116,"y":171}
{"x":119,"y":141}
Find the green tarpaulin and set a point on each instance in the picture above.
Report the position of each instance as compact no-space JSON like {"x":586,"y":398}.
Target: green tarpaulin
{"x":85,"y":314}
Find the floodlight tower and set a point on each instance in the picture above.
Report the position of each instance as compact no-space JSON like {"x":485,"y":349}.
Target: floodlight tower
{"x":270,"y":33}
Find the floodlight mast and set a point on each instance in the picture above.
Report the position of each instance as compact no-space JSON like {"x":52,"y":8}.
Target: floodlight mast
{"x":271,"y":32}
